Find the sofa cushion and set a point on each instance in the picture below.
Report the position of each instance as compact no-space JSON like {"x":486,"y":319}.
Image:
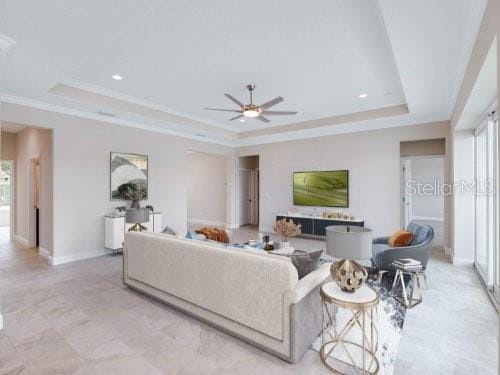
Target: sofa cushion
{"x":377,"y":253}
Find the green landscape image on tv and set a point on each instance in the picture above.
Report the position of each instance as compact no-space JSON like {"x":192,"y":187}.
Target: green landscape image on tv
{"x":322,"y":189}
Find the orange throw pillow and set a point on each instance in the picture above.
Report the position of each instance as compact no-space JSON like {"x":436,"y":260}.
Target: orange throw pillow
{"x":401,"y":238}
{"x":214,"y":234}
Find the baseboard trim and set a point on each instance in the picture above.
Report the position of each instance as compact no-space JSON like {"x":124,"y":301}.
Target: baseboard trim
{"x":427,"y":218}
{"x":55,"y":261}
{"x":44,"y":253}
{"x":462,"y":261}
{"x":207,"y":222}
{"x":21,"y":240}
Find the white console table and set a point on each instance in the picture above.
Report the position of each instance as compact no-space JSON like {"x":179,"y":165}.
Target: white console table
{"x":115,"y":228}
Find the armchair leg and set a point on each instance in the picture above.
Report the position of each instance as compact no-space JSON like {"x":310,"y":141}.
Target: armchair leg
{"x":381,"y":273}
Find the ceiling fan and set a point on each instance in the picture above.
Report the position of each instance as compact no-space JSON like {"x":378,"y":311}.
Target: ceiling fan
{"x":253,"y":110}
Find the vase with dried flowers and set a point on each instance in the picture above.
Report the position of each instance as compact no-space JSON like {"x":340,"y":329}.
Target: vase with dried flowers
{"x":286,"y":229}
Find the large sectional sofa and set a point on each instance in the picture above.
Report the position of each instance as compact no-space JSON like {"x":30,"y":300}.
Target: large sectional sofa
{"x":247,"y":293}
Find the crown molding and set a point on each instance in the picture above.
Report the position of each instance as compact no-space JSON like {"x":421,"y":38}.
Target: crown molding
{"x":12,"y":99}
{"x":353,"y":127}
{"x":134,"y":100}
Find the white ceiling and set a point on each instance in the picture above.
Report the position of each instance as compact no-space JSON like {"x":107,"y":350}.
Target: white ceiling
{"x":177,"y":57}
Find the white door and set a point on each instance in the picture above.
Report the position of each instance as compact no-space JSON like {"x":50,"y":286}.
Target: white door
{"x":245,"y":196}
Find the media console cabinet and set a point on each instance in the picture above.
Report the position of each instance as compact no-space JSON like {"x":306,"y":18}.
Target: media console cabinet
{"x":315,"y":225}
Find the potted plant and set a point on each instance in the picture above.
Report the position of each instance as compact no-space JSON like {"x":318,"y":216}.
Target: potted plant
{"x":285,"y":229}
{"x":132,"y":192}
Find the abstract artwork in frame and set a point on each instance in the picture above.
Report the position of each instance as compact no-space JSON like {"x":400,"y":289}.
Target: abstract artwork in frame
{"x":129,"y":169}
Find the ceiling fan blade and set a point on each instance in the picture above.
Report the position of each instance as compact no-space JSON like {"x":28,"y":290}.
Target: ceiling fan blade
{"x":272,"y":103}
{"x":262,"y":119}
{"x":235,"y":118}
{"x":233,"y":99}
{"x":277,"y":113}
{"x":223,"y":110}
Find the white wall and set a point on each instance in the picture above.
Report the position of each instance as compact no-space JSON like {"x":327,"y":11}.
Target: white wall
{"x":30,"y":143}
{"x":429,"y":171}
{"x":463,"y":201}
{"x":82,"y":175}
{"x":373,"y":161}
{"x":206,"y":188}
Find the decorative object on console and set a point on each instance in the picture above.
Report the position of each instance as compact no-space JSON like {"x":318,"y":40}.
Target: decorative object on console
{"x":351,"y":244}
{"x":129,"y":172}
{"x":286,"y":229}
{"x":150,"y":208}
{"x":132,"y":193}
{"x":137,"y":217}
{"x":268,"y":246}
{"x":214,"y":234}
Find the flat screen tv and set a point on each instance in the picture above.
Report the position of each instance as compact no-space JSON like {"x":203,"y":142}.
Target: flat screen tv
{"x":321,"y":189}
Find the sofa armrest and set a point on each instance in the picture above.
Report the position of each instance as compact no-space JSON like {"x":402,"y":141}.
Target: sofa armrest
{"x":381,"y":240}
{"x":304,"y":306}
{"x":308,"y":283}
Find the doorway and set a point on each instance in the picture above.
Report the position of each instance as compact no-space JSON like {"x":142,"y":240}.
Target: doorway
{"x":249,"y":190}
{"x":6,"y":194}
{"x":34,"y":207}
{"x":423,"y":185}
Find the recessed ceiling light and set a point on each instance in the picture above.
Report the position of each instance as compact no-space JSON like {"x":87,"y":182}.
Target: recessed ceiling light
{"x":117,"y":77}
{"x":362,"y":96}
{"x":242,"y":120}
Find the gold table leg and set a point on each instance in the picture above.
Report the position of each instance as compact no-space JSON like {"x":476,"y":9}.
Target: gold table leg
{"x":369,"y":342}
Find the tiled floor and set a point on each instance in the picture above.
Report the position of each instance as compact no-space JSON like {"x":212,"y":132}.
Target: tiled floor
{"x":79,"y":319}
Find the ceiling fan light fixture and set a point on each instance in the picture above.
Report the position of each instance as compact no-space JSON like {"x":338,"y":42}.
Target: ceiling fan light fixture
{"x":251,"y":112}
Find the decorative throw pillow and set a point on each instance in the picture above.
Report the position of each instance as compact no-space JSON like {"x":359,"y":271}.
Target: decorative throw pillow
{"x":214,"y":234}
{"x":195,"y":236}
{"x":170,"y":231}
{"x":400,"y":238}
{"x":305,"y":263}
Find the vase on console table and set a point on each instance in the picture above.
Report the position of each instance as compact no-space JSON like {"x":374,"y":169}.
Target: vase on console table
{"x":285,"y":248}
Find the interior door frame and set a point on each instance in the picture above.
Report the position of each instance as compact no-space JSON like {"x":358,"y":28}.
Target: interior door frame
{"x":12,"y":213}
{"x":405,"y":168}
{"x":250,"y":189}
{"x":31,"y":206}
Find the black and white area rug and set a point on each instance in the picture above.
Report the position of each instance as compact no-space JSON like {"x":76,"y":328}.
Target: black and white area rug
{"x":391,"y":316}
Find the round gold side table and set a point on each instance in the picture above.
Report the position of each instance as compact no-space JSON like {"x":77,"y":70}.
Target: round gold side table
{"x":355,"y":345}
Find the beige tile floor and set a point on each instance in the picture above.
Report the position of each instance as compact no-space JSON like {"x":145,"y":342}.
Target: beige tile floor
{"x":79,"y":319}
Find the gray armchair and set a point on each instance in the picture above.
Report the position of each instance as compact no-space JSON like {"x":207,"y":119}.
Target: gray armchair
{"x":383,"y":254}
